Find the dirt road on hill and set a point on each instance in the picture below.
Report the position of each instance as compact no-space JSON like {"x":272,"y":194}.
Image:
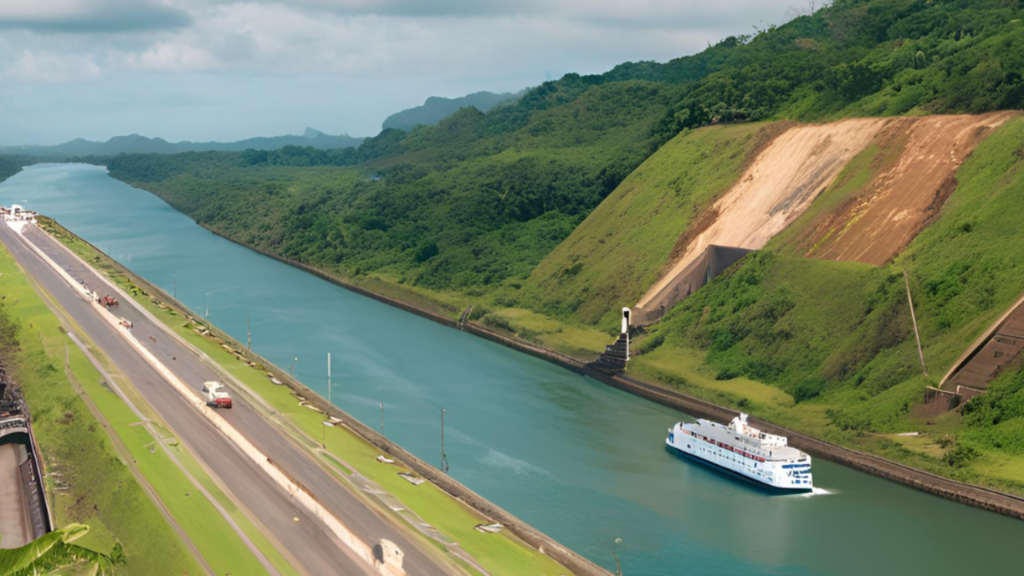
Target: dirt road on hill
{"x":881,"y":218}
{"x":776,"y":189}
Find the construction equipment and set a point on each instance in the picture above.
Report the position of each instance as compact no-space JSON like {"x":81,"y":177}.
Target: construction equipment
{"x":217,"y":395}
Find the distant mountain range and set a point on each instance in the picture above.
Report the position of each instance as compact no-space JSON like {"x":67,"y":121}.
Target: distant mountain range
{"x":437,"y":108}
{"x":138,"y":144}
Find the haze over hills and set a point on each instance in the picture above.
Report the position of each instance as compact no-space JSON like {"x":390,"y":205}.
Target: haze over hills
{"x":137,"y":144}
{"x":437,"y":108}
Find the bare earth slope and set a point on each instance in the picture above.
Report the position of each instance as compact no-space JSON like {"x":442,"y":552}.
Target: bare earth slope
{"x":877,"y":221}
{"x":776,"y":189}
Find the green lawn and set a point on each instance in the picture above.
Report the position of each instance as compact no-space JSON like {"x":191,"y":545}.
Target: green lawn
{"x":570,"y":339}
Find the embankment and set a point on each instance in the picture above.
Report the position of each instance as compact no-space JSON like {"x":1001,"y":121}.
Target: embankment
{"x":774,"y":191}
{"x":617,"y":252}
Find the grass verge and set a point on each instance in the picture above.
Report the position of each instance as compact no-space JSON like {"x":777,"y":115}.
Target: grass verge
{"x":86,"y":480}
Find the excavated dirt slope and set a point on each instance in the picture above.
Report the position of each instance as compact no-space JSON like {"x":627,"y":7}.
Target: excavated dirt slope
{"x":776,"y":189}
{"x":881,"y":218}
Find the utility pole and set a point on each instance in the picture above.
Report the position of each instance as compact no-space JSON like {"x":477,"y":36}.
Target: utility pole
{"x":913,"y":316}
{"x":329,"y":401}
{"x":381,"y":418}
{"x":174,"y":284}
{"x":444,"y":457}
{"x":293,"y":366}
{"x":248,"y":331}
{"x":207,"y":315}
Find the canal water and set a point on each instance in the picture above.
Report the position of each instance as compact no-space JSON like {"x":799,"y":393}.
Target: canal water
{"x":580,"y":461}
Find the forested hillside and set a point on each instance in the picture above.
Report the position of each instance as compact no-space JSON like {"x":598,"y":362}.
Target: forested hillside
{"x":482,"y":198}
{"x":471,"y":202}
{"x":11,"y":165}
{"x":477,"y":209}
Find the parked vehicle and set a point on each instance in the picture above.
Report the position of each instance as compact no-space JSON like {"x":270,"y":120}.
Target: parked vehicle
{"x":217,"y":395}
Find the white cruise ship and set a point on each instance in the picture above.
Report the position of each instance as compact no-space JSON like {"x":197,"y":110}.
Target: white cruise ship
{"x":763,"y":458}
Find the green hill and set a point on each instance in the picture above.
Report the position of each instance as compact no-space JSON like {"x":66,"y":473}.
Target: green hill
{"x":611,"y":259}
{"x":837,"y":337}
{"x":512,"y":183}
{"x":471,"y":202}
{"x":437,"y":108}
{"x":11,"y":165}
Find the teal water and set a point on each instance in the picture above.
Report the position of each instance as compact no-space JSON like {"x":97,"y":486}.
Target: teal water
{"x":578,"y":460}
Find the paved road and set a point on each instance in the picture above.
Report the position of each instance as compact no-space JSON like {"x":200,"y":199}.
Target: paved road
{"x":309,"y":542}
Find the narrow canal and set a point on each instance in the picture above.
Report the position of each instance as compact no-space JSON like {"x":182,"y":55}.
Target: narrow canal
{"x":580,"y":461}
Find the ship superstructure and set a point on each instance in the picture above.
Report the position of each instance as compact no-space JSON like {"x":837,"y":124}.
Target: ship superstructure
{"x":748,"y":452}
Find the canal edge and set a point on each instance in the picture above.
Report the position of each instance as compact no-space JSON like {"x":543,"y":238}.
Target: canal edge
{"x":961,"y":492}
{"x":529,"y":535}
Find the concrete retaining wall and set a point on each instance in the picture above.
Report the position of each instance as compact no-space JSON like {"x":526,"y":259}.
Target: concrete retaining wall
{"x":711,"y":263}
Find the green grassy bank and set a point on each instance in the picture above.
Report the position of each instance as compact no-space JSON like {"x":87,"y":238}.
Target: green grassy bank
{"x":836,"y":338}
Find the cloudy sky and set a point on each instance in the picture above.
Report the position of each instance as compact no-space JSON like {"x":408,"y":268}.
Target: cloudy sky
{"x":223,"y":70}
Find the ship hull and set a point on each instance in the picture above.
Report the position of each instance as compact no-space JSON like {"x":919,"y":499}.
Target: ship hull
{"x":734,"y":474}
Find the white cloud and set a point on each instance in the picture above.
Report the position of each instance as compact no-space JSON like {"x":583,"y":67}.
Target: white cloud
{"x":50,"y":67}
{"x":393,"y":37}
{"x":171,"y":57}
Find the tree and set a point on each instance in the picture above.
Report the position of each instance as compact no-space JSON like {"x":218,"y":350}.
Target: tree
{"x":54,"y":551}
